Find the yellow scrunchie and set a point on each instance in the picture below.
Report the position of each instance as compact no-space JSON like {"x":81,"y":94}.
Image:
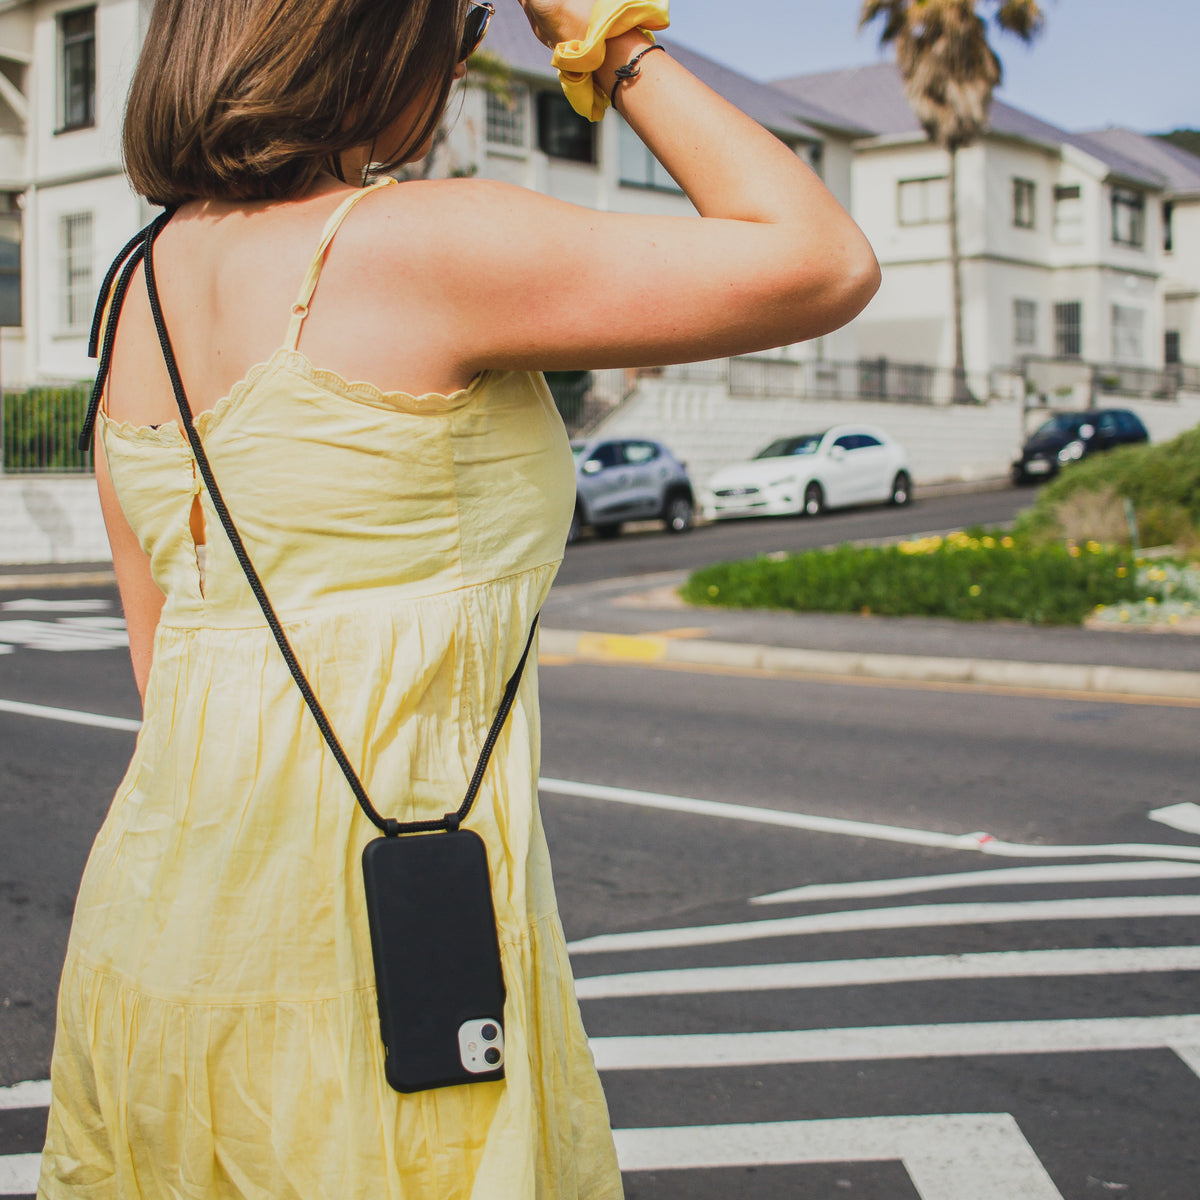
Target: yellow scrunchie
{"x":576,"y":60}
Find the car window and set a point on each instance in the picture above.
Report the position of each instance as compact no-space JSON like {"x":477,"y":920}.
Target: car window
{"x":1067,"y":423}
{"x":607,"y":454}
{"x":1108,"y":424}
{"x":848,"y":441}
{"x":865,"y":440}
{"x":805,"y":443}
{"x":1131,"y":425}
{"x":637,"y":453}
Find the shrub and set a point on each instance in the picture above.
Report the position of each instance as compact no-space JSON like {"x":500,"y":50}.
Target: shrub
{"x":41,"y":426}
{"x":973,"y":576}
{"x":1162,"y":481}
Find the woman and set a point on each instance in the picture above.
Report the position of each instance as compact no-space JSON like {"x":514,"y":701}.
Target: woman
{"x":218,"y":1034}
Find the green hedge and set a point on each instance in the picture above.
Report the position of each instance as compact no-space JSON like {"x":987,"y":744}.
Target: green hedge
{"x":41,"y":428}
{"x":973,"y":576}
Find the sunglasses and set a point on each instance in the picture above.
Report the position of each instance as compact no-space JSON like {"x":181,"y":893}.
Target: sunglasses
{"x":479,"y":17}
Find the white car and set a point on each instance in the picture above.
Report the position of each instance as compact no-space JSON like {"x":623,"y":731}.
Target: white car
{"x":845,"y":465}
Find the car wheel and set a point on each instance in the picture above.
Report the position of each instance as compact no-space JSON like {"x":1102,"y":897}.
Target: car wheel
{"x":901,"y":489}
{"x":575,"y":527}
{"x":608,"y":530}
{"x":678,"y":514}
{"x":814,"y":500}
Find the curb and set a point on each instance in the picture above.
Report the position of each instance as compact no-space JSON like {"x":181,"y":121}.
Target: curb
{"x":775,"y":660}
{"x":56,"y":579}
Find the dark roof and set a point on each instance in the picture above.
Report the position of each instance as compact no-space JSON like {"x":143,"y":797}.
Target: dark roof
{"x":873,"y":97}
{"x":511,"y":39}
{"x":1179,"y":169}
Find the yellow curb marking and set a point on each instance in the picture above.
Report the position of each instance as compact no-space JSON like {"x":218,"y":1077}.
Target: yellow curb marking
{"x":619,"y":646}
{"x":691,"y":631}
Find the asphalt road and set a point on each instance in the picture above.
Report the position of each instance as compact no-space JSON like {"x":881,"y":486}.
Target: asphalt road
{"x":1029,"y":1035}
{"x":645,"y":549}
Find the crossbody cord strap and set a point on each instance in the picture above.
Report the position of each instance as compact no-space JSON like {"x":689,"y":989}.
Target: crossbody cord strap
{"x":389,"y":826}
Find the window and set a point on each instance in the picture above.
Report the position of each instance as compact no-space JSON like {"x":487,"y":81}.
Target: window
{"x":75,"y":248}
{"x":1127,"y":327}
{"x":77,"y":85}
{"x":923,"y":201}
{"x":1068,"y":215}
{"x":1128,"y":217}
{"x":1168,"y":220}
{"x":1024,"y":196}
{"x":638,"y":167}
{"x":1171,"y":348}
{"x":10,"y":260}
{"x":1024,"y":323}
{"x":506,"y":120}
{"x":1068,"y":329}
{"x":639,"y":453}
{"x":562,"y":132}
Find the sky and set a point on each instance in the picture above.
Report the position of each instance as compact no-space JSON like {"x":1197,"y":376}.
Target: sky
{"x":1097,"y":62}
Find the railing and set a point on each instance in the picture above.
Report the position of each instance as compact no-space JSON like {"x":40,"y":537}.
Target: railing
{"x":39,"y":428}
{"x":583,"y":398}
{"x":823,"y":379}
{"x":1050,"y":376}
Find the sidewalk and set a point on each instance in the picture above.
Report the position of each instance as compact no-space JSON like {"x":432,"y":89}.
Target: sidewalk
{"x":641,"y":620}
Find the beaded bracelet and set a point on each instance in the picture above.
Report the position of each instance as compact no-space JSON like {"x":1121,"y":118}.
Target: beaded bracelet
{"x":632,"y":69}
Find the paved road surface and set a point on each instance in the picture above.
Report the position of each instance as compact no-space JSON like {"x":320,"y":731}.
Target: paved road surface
{"x":886,"y":1033}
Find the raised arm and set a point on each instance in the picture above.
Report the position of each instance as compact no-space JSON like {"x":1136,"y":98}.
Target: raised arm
{"x":774,"y":259}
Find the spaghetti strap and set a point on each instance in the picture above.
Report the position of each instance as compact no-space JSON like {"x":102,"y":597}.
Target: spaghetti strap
{"x":300,"y":308}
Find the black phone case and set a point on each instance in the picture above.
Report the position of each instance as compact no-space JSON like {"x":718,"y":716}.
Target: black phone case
{"x":436,"y":952}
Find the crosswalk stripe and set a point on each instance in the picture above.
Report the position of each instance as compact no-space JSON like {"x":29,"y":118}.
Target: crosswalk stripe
{"x":671,"y":1051}
{"x":33,"y":1093}
{"x":1012,"y":964}
{"x":981,"y":1155}
{"x":19,"y":1174}
{"x":1116,"y":872}
{"x":912,"y":916}
{"x":983,"y":843}
{"x":71,"y":716}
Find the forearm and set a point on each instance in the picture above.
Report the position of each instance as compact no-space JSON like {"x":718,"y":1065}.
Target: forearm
{"x":727,"y":163}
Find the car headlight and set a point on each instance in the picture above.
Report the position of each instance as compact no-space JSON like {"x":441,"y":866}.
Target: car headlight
{"x":1071,"y":451}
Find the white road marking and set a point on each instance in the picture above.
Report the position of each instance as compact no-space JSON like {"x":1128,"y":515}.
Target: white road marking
{"x":1184,"y":817}
{"x":69,"y":634}
{"x":1190,"y":1055}
{"x":885,"y":1042}
{"x":69,"y":715}
{"x":32,"y":1093}
{"x":913,"y":916}
{"x":1022,"y":876}
{"x":975,"y":1156}
{"x":1011,"y":964}
{"x":19,"y":1174}
{"x":33,"y":605}
{"x":982,"y":842}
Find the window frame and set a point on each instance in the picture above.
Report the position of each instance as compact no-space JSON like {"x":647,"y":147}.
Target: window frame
{"x":654,"y":178}
{"x":925,"y":219}
{"x":1024,"y":197}
{"x":1066,"y":332}
{"x":77,"y":270}
{"x":1068,"y":193}
{"x":67,"y":43}
{"x":1025,"y":320}
{"x":1133,"y":202}
{"x":1127,"y":327}
{"x":550,"y":102}
{"x":1168,"y":226}
{"x":516,"y":113}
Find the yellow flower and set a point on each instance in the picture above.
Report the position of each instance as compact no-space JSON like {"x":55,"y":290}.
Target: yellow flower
{"x":1094,"y":547}
{"x":1073,"y":550}
{"x":1151,"y":601}
{"x":989,"y":543}
{"x":1007,"y":543}
{"x":975,"y":589}
{"x":1124,"y":614}
{"x":1122,"y":572}
{"x":713,"y":590}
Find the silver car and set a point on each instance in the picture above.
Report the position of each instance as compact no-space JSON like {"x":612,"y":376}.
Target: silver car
{"x":629,"y":479}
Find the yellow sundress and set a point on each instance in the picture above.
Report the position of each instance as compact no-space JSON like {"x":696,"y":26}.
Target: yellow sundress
{"x":217,"y":1030}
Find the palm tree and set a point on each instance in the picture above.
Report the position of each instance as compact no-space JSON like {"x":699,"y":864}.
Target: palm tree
{"x":950,"y":72}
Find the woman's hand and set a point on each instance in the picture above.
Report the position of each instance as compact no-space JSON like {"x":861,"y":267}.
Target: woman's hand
{"x":555,"y":21}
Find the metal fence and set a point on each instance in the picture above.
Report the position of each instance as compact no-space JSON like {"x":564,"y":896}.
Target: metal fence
{"x":1049,"y":376}
{"x":823,"y":379}
{"x":39,"y":429}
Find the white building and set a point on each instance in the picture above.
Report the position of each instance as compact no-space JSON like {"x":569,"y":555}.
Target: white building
{"x":1061,"y":235}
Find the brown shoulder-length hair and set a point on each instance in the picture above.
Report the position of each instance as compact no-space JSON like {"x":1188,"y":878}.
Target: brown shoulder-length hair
{"x":250,"y":99}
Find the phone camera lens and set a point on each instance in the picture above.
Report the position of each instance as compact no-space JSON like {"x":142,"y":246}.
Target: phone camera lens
{"x":491,"y":1056}
{"x":489,"y":1034}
